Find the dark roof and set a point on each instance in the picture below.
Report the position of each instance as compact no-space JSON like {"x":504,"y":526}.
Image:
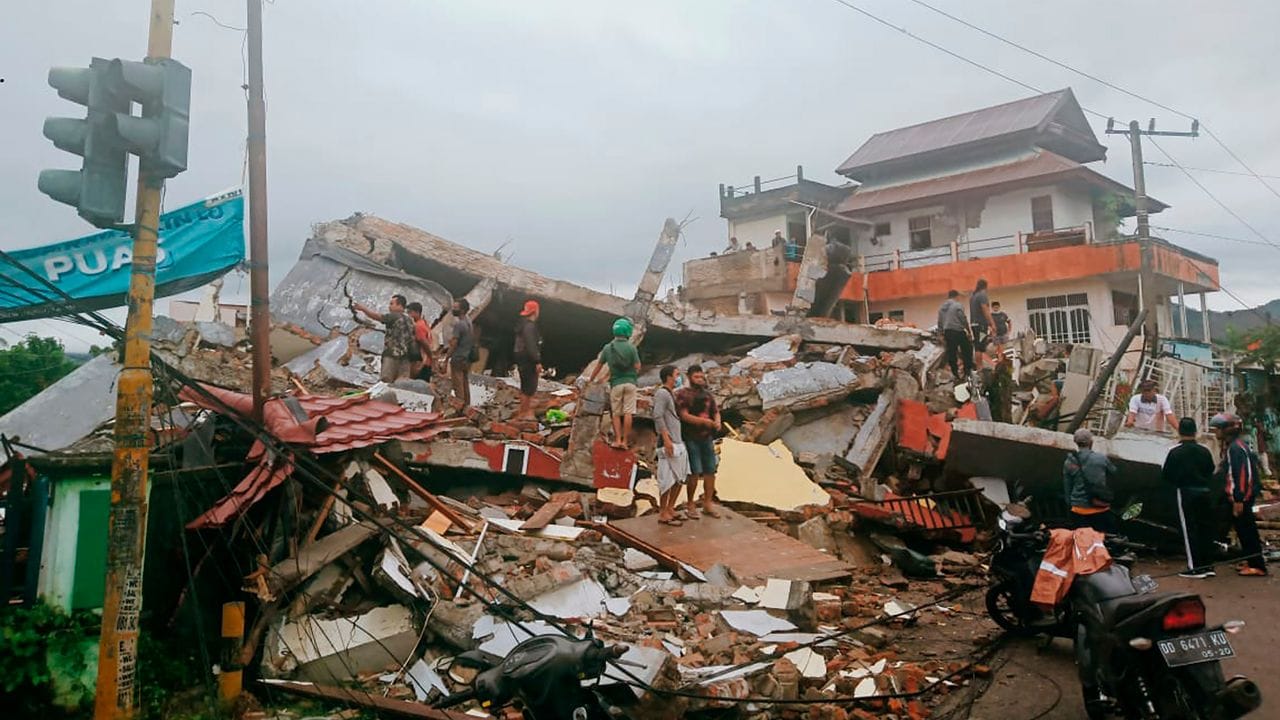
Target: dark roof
{"x":1043,"y":165}
{"x":1029,"y":117}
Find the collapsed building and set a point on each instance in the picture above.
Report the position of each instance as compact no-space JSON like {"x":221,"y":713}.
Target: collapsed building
{"x":375,"y":531}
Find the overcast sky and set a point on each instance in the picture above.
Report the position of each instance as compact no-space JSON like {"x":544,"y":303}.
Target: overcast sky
{"x":573,"y":128}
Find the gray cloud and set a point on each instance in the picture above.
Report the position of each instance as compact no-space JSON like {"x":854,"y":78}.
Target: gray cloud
{"x":574,"y":128}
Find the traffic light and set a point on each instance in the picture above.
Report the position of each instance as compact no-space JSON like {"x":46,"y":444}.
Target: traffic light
{"x":159,"y":136}
{"x":109,"y":132}
{"x":97,"y":190}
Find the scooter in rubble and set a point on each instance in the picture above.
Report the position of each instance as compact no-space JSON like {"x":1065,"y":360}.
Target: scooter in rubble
{"x":1140,"y":654}
{"x":545,"y":676}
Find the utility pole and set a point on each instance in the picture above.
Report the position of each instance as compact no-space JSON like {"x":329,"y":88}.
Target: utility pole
{"x":259,"y":302}
{"x":1146,"y":273}
{"x":117,"y":687}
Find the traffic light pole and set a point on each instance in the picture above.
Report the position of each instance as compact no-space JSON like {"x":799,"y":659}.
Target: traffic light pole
{"x":117,"y":689}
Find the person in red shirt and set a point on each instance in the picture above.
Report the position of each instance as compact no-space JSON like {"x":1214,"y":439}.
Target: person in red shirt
{"x":699,"y":425}
{"x":422,"y":359}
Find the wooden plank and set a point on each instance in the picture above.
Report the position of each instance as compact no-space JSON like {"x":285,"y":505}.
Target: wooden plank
{"x":549,"y":511}
{"x":350,"y":696}
{"x":423,"y":493}
{"x":286,"y":574}
{"x":752,"y":551}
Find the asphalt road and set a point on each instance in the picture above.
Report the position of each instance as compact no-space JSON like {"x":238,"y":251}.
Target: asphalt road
{"x":1032,"y":682}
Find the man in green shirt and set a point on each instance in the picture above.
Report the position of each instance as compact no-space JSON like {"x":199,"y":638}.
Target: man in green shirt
{"x":623,"y":362}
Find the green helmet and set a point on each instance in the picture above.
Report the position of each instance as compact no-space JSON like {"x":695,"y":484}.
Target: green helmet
{"x":622,"y":328}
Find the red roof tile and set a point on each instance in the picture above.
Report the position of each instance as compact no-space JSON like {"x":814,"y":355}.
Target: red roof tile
{"x":333,"y":424}
{"x":263,"y":478}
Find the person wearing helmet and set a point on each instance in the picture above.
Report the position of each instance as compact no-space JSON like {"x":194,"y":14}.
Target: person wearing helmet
{"x":1238,"y":476}
{"x":1086,"y":484}
{"x":1149,"y":410}
{"x":623,"y":361}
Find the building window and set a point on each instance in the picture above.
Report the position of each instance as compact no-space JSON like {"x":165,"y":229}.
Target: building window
{"x":1042,"y":213}
{"x":882,"y":230}
{"x":921,"y":232}
{"x":1061,"y":318}
{"x":1124,"y":307}
{"x":897,"y":315}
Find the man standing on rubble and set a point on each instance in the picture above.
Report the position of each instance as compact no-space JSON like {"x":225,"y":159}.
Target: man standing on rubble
{"x":701,"y":422}
{"x":397,"y":341}
{"x":528,"y":356}
{"x":955,"y":335}
{"x":623,"y":361}
{"x":673,"y":459}
{"x":420,"y":353}
{"x":982,"y":322}
{"x":1189,"y":469}
{"x":462,"y":351}
{"x":1086,"y":482}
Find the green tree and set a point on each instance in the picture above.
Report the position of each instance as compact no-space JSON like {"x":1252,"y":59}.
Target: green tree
{"x":30,"y":366}
{"x":1261,"y":345}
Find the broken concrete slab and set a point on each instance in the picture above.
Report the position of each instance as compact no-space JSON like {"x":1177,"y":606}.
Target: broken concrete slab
{"x":816,"y":533}
{"x":826,"y":435}
{"x":872,"y":439}
{"x":805,"y":383}
{"x":318,"y":292}
{"x":765,"y":475}
{"x":288,"y":573}
{"x":331,"y":359}
{"x":315,"y":648}
{"x":66,"y":411}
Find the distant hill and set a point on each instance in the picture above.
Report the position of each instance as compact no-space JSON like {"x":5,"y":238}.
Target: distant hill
{"x":1219,"y":322}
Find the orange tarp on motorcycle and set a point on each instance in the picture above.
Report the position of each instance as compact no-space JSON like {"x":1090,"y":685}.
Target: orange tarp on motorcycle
{"x":1070,"y":553}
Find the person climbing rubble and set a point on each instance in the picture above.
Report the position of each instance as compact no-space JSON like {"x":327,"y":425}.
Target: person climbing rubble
{"x":700,"y":418}
{"x":397,"y":343}
{"x":955,"y":335}
{"x":623,"y":361}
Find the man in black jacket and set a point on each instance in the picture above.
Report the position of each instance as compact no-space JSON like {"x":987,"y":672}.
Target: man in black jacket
{"x":528,"y":355}
{"x":1189,"y":469}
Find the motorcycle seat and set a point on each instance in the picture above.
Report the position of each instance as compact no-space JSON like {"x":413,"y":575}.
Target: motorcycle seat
{"x":1120,"y":609}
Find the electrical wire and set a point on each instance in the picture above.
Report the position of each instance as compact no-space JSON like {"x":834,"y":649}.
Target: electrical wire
{"x":1207,"y":130}
{"x":1208,"y":170}
{"x":1212,"y":197}
{"x":1208,"y":235}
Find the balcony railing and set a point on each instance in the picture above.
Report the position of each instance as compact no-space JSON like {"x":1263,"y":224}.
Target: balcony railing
{"x":958,"y":250}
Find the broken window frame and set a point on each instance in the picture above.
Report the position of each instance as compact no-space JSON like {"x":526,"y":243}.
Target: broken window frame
{"x":920,"y":238}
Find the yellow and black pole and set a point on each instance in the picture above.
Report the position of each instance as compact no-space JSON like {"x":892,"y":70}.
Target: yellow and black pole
{"x":231,"y":677}
{"x":117,"y":689}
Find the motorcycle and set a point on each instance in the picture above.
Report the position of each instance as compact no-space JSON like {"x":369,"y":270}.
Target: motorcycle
{"x":1140,"y":654}
{"x":545,"y":675}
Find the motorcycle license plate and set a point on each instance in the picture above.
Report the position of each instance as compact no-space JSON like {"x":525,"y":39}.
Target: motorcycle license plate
{"x":1198,"y":648}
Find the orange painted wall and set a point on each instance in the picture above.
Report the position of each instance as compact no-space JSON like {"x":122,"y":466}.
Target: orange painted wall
{"x":1067,"y":263}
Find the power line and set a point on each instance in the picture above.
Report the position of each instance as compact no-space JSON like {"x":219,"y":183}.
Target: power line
{"x":1212,"y":197}
{"x":1105,"y":82}
{"x":1210,"y":170}
{"x":1208,"y":235}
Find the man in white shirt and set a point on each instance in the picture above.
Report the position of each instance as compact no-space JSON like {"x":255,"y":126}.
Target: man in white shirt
{"x":1149,"y":410}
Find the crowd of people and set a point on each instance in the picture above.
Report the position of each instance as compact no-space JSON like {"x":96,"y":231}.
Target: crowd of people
{"x":1211,"y":498}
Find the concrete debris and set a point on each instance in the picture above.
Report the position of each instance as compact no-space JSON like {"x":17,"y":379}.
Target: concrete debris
{"x":766,"y":476}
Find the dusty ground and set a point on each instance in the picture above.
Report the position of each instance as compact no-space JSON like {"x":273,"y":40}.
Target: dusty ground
{"x":1033,"y":684}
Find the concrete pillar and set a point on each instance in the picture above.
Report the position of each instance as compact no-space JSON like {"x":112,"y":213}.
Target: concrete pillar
{"x":1204,"y":318}
{"x":1182,"y":311}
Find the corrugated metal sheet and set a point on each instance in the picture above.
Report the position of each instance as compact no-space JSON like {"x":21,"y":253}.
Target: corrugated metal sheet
{"x":1017,"y":116}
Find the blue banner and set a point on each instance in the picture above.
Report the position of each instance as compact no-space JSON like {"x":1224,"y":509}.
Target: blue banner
{"x":198,"y":243}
